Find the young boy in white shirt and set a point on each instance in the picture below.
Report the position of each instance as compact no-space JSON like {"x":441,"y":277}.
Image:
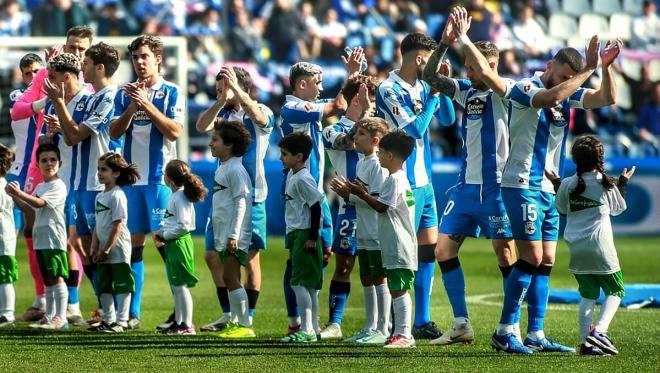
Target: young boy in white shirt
{"x":396,"y":230}
{"x":8,"y":265}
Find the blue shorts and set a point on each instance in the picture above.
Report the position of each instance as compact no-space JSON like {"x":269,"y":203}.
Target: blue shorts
{"x":426,"y":213}
{"x":70,"y":214}
{"x":344,"y":241}
{"x":146,"y":207}
{"x":85,"y":212}
{"x":18,"y":214}
{"x":532,"y":213}
{"x":258,"y":228}
{"x":471,"y":208}
{"x":326,"y":228}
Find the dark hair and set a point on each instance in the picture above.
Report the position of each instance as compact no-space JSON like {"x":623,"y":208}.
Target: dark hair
{"x":154,"y":44}
{"x":6,"y":158}
{"x":65,"y":63}
{"x":416,"y":42}
{"x":48,"y":148}
{"x":352,"y":86}
{"x":399,"y":143}
{"x":128,"y":173}
{"x":180,"y":174}
{"x":376,"y":126}
{"x":297,"y":143}
{"x":569,"y":56}
{"x":106,"y":55}
{"x":29,"y":59}
{"x":587,"y":153}
{"x":83,"y":32}
{"x":301,"y":70}
{"x":242,"y":76}
{"x":488,"y":49}
{"x":235,"y":134}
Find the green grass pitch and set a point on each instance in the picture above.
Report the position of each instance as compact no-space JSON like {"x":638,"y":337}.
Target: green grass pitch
{"x":636,"y":332}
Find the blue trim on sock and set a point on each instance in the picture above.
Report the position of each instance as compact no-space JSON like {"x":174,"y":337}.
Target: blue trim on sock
{"x":454,"y":282}
{"x":516,"y":287}
{"x":73,"y":295}
{"x":337,"y":298}
{"x":137,"y":268}
{"x":423,"y":283}
{"x":537,"y":301}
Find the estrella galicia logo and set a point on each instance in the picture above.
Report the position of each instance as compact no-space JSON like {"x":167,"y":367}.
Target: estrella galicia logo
{"x":475,"y":108}
{"x":557,"y":116}
{"x":101,"y":207}
{"x":218,"y":187}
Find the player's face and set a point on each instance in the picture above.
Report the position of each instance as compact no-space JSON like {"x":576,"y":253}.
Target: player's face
{"x":288,"y":159}
{"x":313,"y":88}
{"x":77,"y":46}
{"x":55,"y":77}
{"x":145,"y":62}
{"x":218,"y":148}
{"x":105,"y":173}
{"x":477,"y":79}
{"x":49,"y":165}
{"x":363,"y":140}
{"x":28,"y":72}
{"x":559,"y":73}
{"x":220,"y":86}
{"x":422,"y":60}
{"x":89,"y":70}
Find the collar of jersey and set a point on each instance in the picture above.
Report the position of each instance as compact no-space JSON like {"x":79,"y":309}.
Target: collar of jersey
{"x":159,"y":83}
{"x":346,"y":122}
{"x":106,"y":89}
{"x":394,"y":75}
{"x":537,"y":78}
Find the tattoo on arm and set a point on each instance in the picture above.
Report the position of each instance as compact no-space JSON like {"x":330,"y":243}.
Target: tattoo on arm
{"x":439,"y":82}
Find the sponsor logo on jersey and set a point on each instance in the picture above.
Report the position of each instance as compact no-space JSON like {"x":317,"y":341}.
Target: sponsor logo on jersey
{"x":527,"y":87}
{"x":101,"y":207}
{"x":158,"y":212}
{"x":475,"y":108}
{"x":344,"y":243}
{"x":218,"y":187}
{"x":579,"y":203}
{"x":410,"y":198}
{"x":168,"y":214}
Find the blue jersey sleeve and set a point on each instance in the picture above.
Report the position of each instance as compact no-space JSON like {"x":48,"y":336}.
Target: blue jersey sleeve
{"x":462,"y":89}
{"x":121,"y":102}
{"x":391,"y":106}
{"x":523,"y":92}
{"x":176,"y":105}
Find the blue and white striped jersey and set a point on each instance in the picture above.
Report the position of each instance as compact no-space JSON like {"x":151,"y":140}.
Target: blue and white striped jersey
{"x":98,"y":114}
{"x":411,"y":108}
{"x":485,"y":133}
{"x":305,"y":116}
{"x":537,"y":136}
{"x":343,"y":161}
{"x":25,"y":134}
{"x":253,"y":159}
{"x":144,"y":144}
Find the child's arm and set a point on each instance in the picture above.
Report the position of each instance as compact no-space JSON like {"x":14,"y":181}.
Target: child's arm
{"x":554,"y":179}
{"x":625,"y":176}
{"x":315,"y":210}
{"x":240,"y":208}
{"x":361,"y":192}
{"x":14,"y":190}
{"x":94,"y":247}
{"x":104,"y":251}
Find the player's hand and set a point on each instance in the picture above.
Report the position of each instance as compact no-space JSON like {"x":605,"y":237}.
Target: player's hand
{"x":551,"y":174}
{"x":232,"y":245}
{"x":53,"y":91}
{"x":611,"y":52}
{"x":310,"y":246}
{"x":52,"y":52}
{"x":221,"y":94}
{"x":340,"y":186}
{"x":358,"y":188}
{"x":137,"y":92}
{"x":327,"y":253}
{"x":449,"y":34}
{"x":354,"y":61}
{"x":363,"y":99}
{"x":462,"y":20}
{"x":628,"y":173}
{"x":101,"y":256}
{"x":158,"y":235}
{"x":12,"y":188}
{"x":229,"y":78}
{"x":52,"y":124}
{"x":591,"y":52}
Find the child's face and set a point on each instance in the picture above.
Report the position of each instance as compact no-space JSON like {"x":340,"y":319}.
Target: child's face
{"x":364,"y":142}
{"x":385,"y":158}
{"x":49,"y":165}
{"x":105,"y":173}
{"x":218,"y":148}
{"x":288,"y":159}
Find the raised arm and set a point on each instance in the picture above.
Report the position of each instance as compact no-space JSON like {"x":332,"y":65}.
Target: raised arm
{"x":250,"y":106}
{"x":33,"y":100}
{"x":441,"y":82}
{"x":606,"y":94}
{"x":207,"y":117}
{"x":73,"y":132}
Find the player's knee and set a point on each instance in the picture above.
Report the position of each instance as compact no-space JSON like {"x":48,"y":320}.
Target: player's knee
{"x":426,"y":253}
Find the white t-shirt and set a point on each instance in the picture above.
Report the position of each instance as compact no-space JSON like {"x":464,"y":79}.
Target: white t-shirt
{"x":232,"y":188}
{"x":110,"y":207}
{"x":49,"y":231}
{"x":179,"y":216}
{"x":396,"y":226}
{"x":588,"y":230}
{"x":372,"y":176}
{"x":300,"y":194}
{"x":7,"y":227}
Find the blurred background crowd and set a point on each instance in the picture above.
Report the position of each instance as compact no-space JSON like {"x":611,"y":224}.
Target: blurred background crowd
{"x":267,"y":36}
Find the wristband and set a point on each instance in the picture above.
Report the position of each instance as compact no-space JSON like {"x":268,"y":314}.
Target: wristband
{"x":463,"y":39}
{"x":38,"y":105}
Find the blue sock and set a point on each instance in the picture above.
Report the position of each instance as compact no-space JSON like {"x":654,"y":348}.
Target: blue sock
{"x":516,"y":287}
{"x":537,"y":298}
{"x":423,"y":284}
{"x":337,"y":299}
{"x":137,"y":268}
{"x":454,"y":281}
{"x":253,"y":296}
{"x":289,"y":295}
{"x":72,"y":286}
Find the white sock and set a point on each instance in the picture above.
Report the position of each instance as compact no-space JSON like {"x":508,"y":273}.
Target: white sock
{"x":536,"y":335}
{"x":304,"y":301}
{"x":61,"y":294}
{"x":384,"y":305}
{"x":123,"y":308}
{"x":294,"y":320}
{"x":370,"y":307}
{"x":185,"y":304}
{"x":7,"y":301}
{"x":39,"y":302}
{"x":607,"y":310}
{"x":586,"y":317}
{"x":314,"y":296}
{"x":238,"y":302}
{"x":402,"y":315}
{"x":503,"y":329}
{"x":108,"y":306}
{"x":73,"y":308}
{"x":460,"y":320}
{"x":178,"y":311}
{"x":50,"y":302}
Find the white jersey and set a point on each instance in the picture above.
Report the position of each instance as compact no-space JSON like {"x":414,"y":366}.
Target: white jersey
{"x":98,"y":113}
{"x":300,"y":194}
{"x":179,"y":216}
{"x":112,"y":206}
{"x":372,"y":176}
{"x":7,"y":227}
{"x":231,"y":184}
{"x":537,"y":136}
{"x":396,"y":226}
{"x":588,"y":228}
{"x":49,"y":231}
{"x":144,"y":144}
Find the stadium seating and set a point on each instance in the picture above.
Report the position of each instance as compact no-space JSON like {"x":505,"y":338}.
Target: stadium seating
{"x":591,"y":24}
{"x":654,"y":70}
{"x":620,"y":26}
{"x":576,"y":7}
{"x":606,"y":7}
{"x":623,"y":95}
{"x":562,"y":26}
{"x":632,"y":68}
{"x":633,"y":7}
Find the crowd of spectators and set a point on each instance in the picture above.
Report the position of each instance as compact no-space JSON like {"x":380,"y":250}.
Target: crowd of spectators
{"x":272,"y":34}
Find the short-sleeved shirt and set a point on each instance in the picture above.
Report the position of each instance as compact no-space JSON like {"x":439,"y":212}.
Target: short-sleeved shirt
{"x":7,"y":227}
{"x":25,"y":134}
{"x":588,"y":230}
{"x":396,"y":226}
{"x":305,"y":116}
{"x":343,"y":161}
{"x":179,"y":216}
{"x":537,"y":136}
{"x":372,"y":176}
{"x":231,"y":183}
{"x":49,"y":231}
{"x":485,"y":133}
{"x":144,"y":144}
{"x":112,"y":206}
{"x":253,"y":159}
{"x":300,"y":194}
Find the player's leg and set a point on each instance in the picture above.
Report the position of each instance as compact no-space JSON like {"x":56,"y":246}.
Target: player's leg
{"x":138,"y":224}
{"x":123,"y":285}
{"x":8,"y":275}
{"x":38,"y":308}
{"x":589,"y":292}
{"x":253,"y":268}
{"x":370,"y":301}
{"x":55,"y":268}
{"x":180,"y":263}
{"x":215,"y":267}
{"x":105,"y":286}
{"x":238,"y":300}
{"x":400,"y":281}
{"x":612,"y":285}
{"x":383,"y":300}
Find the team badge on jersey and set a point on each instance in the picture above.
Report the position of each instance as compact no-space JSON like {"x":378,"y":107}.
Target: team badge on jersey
{"x":418,"y":107}
{"x":80,"y":106}
{"x":475,"y":108}
{"x":345,"y":243}
{"x":530,"y":228}
{"x":558,"y":118}
{"x":160,"y":94}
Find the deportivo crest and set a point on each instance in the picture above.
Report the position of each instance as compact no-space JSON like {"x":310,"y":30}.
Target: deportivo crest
{"x":80,"y":106}
{"x":418,"y":106}
{"x":579,"y":203}
{"x":557,"y":116}
{"x":160,"y":94}
{"x":530,"y":228}
{"x":101,"y":207}
{"x":345,"y":243}
{"x":475,"y":108}
{"x":527,"y":87}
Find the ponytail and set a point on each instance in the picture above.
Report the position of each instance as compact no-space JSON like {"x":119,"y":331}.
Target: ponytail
{"x":180,"y":175}
{"x":128,"y":173}
{"x":588,"y":153}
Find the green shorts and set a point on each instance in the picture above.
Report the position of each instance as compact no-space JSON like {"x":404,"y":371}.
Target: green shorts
{"x":8,"y":269}
{"x":53,"y":263}
{"x":115,"y":278}
{"x":306,"y":267}
{"x":590,"y":285}
{"x":371,"y":263}
{"x":240,"y":255}
{"x":180,"y":261}
{"x":400,"y":279}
